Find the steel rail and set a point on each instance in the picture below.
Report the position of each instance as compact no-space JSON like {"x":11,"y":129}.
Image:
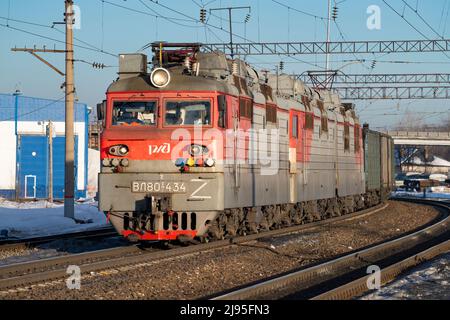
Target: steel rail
{"x":388,"y":274}
{"x":30,"y":242}
{"x":312,"y":278}
{"x":23,"y":274}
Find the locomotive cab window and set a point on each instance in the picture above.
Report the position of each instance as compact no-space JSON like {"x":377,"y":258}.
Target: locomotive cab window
{"x":137,"y":113}
{"x":187,"y":113}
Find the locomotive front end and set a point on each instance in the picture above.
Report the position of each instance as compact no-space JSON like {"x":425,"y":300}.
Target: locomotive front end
{"x":160,"y":177}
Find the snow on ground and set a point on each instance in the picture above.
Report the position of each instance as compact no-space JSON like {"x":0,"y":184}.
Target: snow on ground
{"x":428,"y":281}
{"x":41,"y":218}
{"x":438,"y":177}
{"x":429,"y":195}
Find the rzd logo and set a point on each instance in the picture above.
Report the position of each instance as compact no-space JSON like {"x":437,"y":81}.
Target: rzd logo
{"x":163,"y":148}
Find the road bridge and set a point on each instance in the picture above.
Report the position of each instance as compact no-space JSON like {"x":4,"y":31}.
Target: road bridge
{"x":420,"y":138}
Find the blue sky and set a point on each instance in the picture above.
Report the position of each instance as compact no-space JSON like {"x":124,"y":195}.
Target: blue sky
{"x":118,"y":30}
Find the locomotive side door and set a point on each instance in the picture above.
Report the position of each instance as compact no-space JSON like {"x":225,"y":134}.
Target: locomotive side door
{"x":294,"y":121}
{"x":234,"y":121}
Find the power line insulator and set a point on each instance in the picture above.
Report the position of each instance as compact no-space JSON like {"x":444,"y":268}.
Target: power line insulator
{"x":281,"y":65}
{"x":334,"y":15}
{"x":97,"y":65}
{"x":374,"y":62}
{"x":247,"y":17}
{"x":203,"y":15}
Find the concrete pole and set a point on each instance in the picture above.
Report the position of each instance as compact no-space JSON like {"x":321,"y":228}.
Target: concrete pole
{"x":231,"y":32}
{"x":327,"y":63}
{"x":69,"y":171}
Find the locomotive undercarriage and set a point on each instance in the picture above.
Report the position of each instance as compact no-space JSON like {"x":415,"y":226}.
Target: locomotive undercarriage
{"x":243,"y":221}
{"x":213,"y":225}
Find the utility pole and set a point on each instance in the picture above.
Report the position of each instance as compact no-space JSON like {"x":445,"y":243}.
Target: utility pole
{"x":69,"y":183}
{"x":69,"y":171}
{"x":327,"y":59}
{"x":230,"y":22}
{"x":50,"y":161}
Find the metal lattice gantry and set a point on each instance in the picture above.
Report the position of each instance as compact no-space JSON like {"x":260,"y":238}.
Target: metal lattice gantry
{"x":366,"y":93}
{"x":337,"y":47}
{"x":380,"y":79}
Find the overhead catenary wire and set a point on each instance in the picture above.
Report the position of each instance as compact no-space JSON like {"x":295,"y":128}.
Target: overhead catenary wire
{"x":421,"y":18}
{"x":88,"y":47}
{"x":212,"y":26}
{"x":143,"y":12}
{"x":46,"y":26}
{"x":166,"y":18}
{"x":300,"y":11}
{"x":95,"y":65}
{"x":406,"y":20}
{"x":411,"y":25}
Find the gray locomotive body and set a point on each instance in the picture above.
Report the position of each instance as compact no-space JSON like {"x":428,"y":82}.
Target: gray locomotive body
{"x":220,"y":150}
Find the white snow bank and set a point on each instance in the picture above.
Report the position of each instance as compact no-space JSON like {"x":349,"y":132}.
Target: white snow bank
{"x":41,"y":218}
{"x":428,"y":281}
{"x":434,"y":195}
{"x":93,"y":171}
{"x":436,"y":162}
{"x":440,"y":162}
{"x":438,"y":177}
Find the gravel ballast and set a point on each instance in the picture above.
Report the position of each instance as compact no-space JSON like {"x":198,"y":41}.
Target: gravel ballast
{"x":205,"y":273}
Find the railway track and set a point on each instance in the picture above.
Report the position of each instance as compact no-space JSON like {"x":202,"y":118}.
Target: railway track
{"x":346,"y":277}
{"x":12,"y":244}
{"x":44,"y":270}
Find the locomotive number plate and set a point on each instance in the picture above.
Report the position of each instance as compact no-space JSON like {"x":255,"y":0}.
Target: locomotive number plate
{"x":158,"y":187}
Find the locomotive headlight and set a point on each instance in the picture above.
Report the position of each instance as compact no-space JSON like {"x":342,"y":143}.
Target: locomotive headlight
{"x":210,"y":162}
{"x":160,"y":77}
{"x":123,"y":150}
{"x":196,"y":150}
{"x":120,"y":150}
{"x":124,"y":162}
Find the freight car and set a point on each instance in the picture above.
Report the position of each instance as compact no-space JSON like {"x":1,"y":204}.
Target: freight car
{"x":379,"y":163}
{"x":208,"y":147}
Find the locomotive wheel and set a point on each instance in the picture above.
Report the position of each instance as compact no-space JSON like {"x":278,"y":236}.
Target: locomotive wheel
{"x":215,"y":232}
{"x":217,"y":228}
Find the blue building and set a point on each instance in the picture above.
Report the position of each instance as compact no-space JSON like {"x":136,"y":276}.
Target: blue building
{"x":24,"y":142}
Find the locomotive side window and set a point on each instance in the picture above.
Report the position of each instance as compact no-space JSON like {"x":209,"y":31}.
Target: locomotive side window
{"x":222,"y":107}
{"x":346,"y":136}
{"x":271,"y":113}
{"x":246,"y":108}
{"x":134,"y":113}
{"x":187,"y":113}
{"x":295,"y":127}
{"x":357,"y":137}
